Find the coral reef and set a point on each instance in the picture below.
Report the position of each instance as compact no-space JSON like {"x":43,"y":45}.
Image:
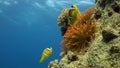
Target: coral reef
{"x":79,"y":36}
{"x":108,"y":36}
{"x":63,"y":20}
{"x":104,"y":51}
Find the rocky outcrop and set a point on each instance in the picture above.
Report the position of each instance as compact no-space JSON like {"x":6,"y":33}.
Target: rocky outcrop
{"x":63,"y":20}
{"x":104,"y":51}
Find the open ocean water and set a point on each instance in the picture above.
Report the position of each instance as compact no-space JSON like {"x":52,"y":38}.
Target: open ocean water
{"x":29,"y":26}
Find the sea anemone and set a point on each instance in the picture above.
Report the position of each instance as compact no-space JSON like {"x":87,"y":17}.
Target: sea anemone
{"x":80,"y":35}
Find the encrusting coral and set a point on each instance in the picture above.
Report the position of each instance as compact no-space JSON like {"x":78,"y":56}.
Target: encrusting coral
{"x":63,"y":20}
{"x":79,"y":36}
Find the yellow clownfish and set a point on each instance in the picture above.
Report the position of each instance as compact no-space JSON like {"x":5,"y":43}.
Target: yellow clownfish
{"x":74,"y":13}
{"x":46,"y":53}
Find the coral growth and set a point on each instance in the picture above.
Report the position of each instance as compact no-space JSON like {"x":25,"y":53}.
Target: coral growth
{"x":79,"y":36}
{"x":63,"y":20}
{"x":86,"y":16}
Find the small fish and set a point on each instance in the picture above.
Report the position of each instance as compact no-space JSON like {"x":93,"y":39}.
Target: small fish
{"x":46,"y":53}
{"x":74,"y":13}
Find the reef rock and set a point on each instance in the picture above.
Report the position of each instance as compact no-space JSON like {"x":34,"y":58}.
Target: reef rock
{"x":63,"y":20}
{"x":100,"y":54}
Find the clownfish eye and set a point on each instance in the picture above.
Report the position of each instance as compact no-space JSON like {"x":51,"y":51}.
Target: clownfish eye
{"x":72,"y":6}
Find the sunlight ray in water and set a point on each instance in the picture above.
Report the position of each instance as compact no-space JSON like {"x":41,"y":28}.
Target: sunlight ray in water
{"x":8,"y":18}
{"x":39,"y":6}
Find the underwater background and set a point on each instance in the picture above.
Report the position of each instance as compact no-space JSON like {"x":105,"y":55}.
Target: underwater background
{"x":29,"y":26}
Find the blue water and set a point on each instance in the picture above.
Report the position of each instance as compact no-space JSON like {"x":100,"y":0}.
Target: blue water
{"x":29,"y":26}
